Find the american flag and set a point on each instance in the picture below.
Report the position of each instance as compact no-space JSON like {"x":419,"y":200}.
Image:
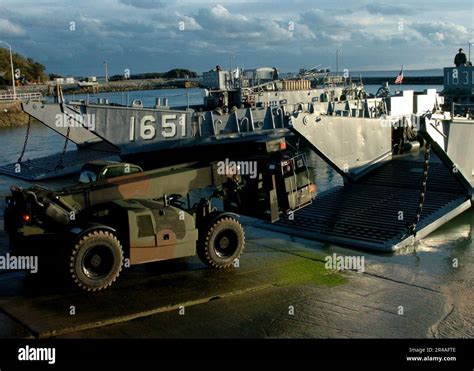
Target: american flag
{"x":399,"y":78}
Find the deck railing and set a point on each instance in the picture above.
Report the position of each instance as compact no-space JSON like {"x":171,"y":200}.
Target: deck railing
{"x":21,"y":96}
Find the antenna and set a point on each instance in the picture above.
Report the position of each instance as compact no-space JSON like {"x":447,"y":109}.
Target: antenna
{"x":106,"y":72}
{"x":470,"y":43}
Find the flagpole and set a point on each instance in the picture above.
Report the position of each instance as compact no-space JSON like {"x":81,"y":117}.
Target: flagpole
{"x":399,"y":79}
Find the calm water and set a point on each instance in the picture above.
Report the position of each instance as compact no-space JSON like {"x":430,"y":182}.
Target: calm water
{"x":394,"y":73}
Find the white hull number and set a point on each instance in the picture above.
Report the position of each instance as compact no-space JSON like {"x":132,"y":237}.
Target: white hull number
{"x":171,"y":126}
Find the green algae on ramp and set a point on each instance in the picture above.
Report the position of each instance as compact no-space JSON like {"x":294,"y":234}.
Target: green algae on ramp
{"x":307,"y":271}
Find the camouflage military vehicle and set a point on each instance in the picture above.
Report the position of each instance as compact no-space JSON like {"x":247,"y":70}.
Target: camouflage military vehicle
{"x":117,"y":211}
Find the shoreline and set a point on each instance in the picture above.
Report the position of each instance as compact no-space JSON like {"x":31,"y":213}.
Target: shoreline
{"x":407,"y":80}
{"x":157,"y":84}
{"x":112,"y":86}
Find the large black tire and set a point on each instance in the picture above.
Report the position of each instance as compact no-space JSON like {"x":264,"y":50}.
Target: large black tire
{"x":222,"y":244}
{"x":96,"y":260}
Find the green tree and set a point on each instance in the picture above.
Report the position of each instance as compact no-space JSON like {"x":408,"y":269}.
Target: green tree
{"x":30,"y":70}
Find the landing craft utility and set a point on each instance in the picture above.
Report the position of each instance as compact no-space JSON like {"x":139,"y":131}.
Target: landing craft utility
{"x":388,"y":201}
{"x":235,"y":111}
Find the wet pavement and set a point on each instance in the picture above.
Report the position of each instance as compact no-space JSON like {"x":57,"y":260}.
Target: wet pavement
{"x":281,"y":289}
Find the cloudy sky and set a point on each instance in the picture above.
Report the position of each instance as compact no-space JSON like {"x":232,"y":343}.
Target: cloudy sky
{"x":75,"y":37}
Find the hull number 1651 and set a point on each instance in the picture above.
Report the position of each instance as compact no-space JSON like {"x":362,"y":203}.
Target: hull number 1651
{"x":172,"y":125}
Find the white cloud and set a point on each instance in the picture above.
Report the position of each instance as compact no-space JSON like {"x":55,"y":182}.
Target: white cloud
{"x":388,"y":9}
{"x":10,"y":28}
{"x":144,"y":4}
{"x":190,"y":23}
{"x":144,"y":35}
{"x":443,"y":32}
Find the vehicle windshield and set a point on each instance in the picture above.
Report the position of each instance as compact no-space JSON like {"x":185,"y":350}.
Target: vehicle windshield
{"x":119,"y":170}
{"x":87,"y":176}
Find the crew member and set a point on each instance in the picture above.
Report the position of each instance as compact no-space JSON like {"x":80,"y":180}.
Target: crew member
{"x":460,"y":58}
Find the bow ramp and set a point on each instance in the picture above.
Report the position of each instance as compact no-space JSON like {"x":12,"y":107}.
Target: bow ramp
{"x":68,"y":121}
{"x":378,"y":207}
{"x":452,"y":138}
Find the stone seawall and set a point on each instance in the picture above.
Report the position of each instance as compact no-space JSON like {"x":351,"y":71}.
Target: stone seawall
{"x":12,"y":115}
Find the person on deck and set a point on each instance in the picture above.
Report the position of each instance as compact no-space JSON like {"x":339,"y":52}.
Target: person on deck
{"x":460,"y":58}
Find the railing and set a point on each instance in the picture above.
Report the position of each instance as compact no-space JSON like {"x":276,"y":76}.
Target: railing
{"x":21,"y":96}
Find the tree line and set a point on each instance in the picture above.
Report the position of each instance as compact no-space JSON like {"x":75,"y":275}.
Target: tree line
{"x":26,"y":69}
{"x":177,"y":73}
{"x":29,"y":71}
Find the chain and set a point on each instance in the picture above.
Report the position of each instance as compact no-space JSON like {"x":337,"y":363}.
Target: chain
{"x":25,"y":142}
{"x":424,"y":183}
{"x":60,"y":163}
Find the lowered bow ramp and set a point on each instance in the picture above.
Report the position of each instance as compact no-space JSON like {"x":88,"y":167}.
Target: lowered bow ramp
{"x":67,"y":121}
{"x":381,"y":194}
{"x":452,"y":139}
{"x":58,"y":164}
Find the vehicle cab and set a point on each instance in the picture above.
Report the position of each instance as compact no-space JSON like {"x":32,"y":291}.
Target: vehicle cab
{"x":98,"y":170}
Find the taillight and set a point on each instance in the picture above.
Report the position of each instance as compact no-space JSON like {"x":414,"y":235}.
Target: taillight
{"x":313,"y":188}
{"x":282,"y":144}
{"x":26,"y":217}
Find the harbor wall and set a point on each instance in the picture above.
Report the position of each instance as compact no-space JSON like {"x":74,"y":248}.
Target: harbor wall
{"x":407,"y":80}
{"x":12,"y":115}
{"x":112,"y":86}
